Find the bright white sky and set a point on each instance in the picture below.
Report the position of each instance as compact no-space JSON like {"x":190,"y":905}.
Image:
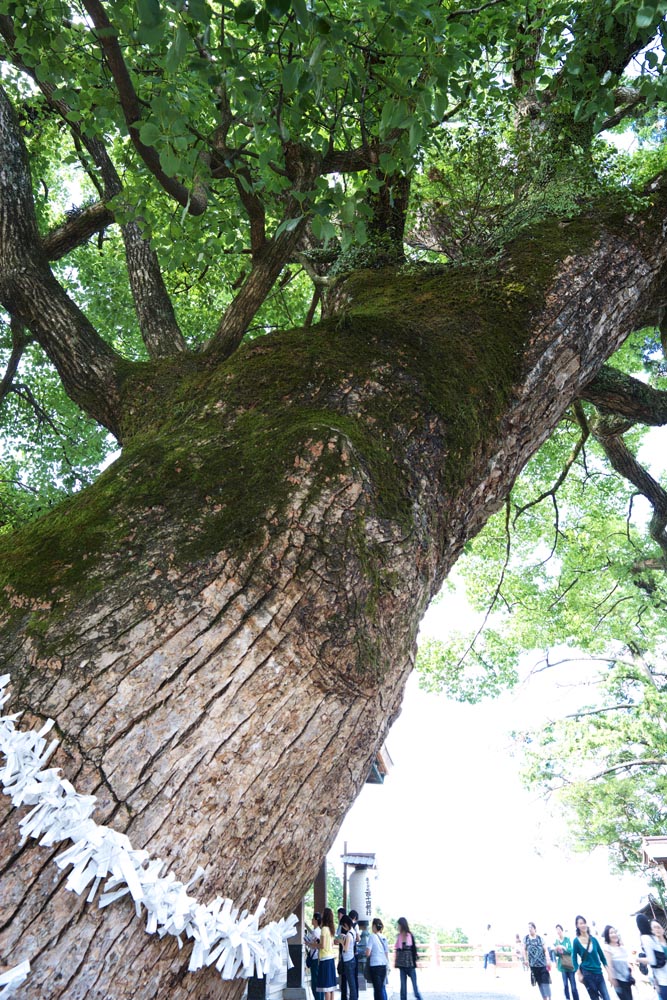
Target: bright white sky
{"x":460,"y":842}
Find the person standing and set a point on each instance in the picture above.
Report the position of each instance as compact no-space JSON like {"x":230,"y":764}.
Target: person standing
{"x":348,"y":978}
{"x":564,"y":963}
{"x":618,"y":963}
{"x":314,"y":954}
{"x":406,"y":958}
{"x":537,"y":959}
{"x":489,"y":947}
{"x":587,"y":951}
{"x":654,"y":945}
{"x":377,"y":954}
{"x":326,"y":973}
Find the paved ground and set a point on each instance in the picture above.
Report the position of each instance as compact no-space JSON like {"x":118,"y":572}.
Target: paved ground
{"x":475,"y":984}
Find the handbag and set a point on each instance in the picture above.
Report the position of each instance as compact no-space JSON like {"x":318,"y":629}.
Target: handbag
{"x":566,"y":963}
{"x":404,"y":959}
{"x":309,"y":961}
{"x":659,"y":956}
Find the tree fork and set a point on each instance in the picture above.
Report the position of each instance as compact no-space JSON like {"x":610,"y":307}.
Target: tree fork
{"x":238,"y":597}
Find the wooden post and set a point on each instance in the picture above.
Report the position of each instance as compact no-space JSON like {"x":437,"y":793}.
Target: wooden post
{"x":320,"y":888}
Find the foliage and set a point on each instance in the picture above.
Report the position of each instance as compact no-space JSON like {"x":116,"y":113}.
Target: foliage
{"x":334,"y":893}
{"x":607,"y":760}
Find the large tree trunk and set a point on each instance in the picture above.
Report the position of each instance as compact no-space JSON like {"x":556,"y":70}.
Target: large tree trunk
{"x":223,"y":625}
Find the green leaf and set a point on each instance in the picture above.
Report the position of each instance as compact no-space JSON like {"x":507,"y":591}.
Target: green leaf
{"x":317,"y":53}
{"x":277,"y":8}
{"x":177,"y":49}
{"x":301,"y":12}
{"x":348,"y":211}
{"x":291,"y":73}
{"x":149,"y":133}
{"x":169,"y":161}
{"x":262,"y":21}
{"x":150,"y":12}
{"x":644,"y":17}
{"x":200,"y":11}
{"x":244,"y":11}
{"x":288,"y":225}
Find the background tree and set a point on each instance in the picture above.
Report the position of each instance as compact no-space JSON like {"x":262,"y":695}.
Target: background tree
{"x":570,"y":579}
{"x":222,"y":623}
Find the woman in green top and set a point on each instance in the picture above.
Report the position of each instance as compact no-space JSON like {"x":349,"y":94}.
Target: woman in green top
{"x":587,"y":951}
{"x":563,"y":949}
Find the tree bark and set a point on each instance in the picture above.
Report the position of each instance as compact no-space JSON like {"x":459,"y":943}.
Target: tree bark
{"x":223,"y":624}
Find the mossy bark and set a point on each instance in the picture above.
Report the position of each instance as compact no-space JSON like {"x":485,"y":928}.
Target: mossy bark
{"x":222,"y":626}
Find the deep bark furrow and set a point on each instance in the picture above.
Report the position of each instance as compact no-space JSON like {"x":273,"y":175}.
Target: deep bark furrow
{"x":92,"y":990}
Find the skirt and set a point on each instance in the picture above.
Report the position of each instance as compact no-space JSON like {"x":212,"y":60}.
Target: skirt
{"x":326,"y":974}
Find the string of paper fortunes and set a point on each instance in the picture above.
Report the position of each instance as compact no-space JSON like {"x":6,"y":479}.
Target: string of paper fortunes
{"x":233,"y":942}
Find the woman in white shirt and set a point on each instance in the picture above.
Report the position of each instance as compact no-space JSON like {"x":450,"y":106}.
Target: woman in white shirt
{"x":349,"y":941}
{"x":654,"y":944}
{"x":618,"y":963}
{"x":377,"y":954}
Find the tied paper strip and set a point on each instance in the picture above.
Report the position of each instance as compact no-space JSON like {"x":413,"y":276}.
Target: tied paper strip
{"x":232,"y":941}
{"x":11,"y":980}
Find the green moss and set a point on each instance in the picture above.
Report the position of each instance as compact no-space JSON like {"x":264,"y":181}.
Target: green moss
{"x":212,"y":451}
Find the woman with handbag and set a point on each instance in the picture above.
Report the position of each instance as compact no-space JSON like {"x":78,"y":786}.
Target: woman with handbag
{"x":564,"y":963}
{"x":406,"y":958}
{"x":618,"y":963}
{"x":654,"y":944}
{"x":587,"y":951}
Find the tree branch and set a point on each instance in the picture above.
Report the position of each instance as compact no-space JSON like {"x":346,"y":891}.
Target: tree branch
{"x":88,"y":367}
{"x":265,"y":271}
{"x":78,"y":229}
{"x":628,"y":100}
{"x":629,"y":765}
{"x":194,"y":200}
{"x":608,"y":433}
{"x":598,"y":711}
{"x":19,"y":343}
{"x":574,"y":454}
{"x":157,"y":321}
{"x":614,"y":392}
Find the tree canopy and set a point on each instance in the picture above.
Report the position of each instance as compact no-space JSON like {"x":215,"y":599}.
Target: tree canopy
{"x":255,"y":150}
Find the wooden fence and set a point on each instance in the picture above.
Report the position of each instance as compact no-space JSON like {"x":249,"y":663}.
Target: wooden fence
{"x":463,"y":956}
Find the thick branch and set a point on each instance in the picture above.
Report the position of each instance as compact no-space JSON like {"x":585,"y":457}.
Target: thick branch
{"x":628,"y":100}
{"x":30,"y":293}
{"x":614,"y":392}
{"x":625,"y":463}
{"x":194,"y":200}
{"x":157,"y":320}
{"x":78,"y":229}
{"x":265,"y":271}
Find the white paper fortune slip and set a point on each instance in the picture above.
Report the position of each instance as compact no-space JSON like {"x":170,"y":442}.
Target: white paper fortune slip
{"x":11,"y":980}
{"x":101,"y":857}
